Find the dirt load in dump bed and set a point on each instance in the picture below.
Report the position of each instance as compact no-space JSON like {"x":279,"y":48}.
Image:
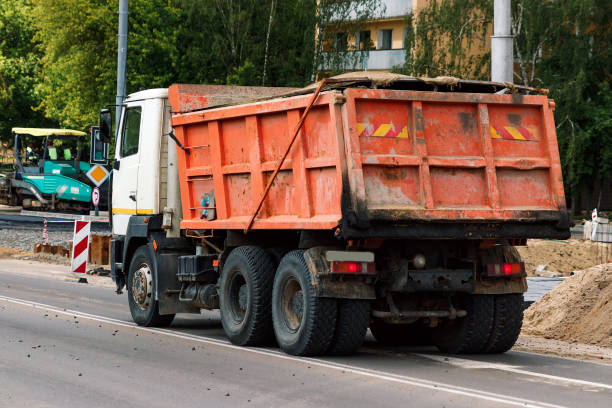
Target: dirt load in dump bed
{"x":578,"y":309}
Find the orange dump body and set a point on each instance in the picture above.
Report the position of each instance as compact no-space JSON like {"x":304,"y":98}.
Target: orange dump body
{"x":375,"y":162}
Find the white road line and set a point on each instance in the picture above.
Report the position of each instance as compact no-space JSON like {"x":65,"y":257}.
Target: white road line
{"x":474,"y":364}
{"x":434,"y":386}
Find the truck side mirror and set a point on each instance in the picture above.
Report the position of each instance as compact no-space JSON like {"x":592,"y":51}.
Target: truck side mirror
{"x":99,"y":148}
{"x":106,"y":125}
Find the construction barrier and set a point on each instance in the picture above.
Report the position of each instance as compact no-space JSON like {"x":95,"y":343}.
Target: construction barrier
{"x":81,"y":246}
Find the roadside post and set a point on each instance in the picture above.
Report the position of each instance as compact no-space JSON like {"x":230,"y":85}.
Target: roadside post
{"x":95,"y":199}
{"x":80,"y":249}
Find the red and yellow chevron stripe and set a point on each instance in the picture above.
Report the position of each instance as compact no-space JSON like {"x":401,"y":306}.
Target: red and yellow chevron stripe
{"x":513,"y":133}
{"x":382,"y":130}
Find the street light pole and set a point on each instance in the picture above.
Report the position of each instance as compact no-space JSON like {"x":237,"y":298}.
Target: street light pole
{"x":121,"y":57}
{"x":502,"y":58}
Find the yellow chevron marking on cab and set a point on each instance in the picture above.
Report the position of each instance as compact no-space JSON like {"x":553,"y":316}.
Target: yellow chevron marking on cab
{"x":404,"y":133}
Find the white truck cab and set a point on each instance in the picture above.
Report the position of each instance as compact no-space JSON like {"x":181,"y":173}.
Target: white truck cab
{"x":140,"y":169}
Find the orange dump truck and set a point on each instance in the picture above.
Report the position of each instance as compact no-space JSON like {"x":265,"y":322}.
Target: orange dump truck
{"x":310,"y":215}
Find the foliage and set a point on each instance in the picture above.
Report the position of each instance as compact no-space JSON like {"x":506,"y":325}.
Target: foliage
{"x":58,"y":57}
{"x":562,"y":45}
{"x":533,"y":26}
{"x":78,"y":38}
{"x":449,"y":37}
{"x":19,"y":69}
{"x":576,"y":66}
{"x":77,"y":64}
{"x":344,"y":18}
{"x":245,"y":74}
{"x":230,"y":32}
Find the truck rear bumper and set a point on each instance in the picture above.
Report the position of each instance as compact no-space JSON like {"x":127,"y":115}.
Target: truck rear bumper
{"x":545,"y":224}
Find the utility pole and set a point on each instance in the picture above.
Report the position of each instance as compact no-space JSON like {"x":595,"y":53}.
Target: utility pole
{"x":121,"y":58}
{"x":502,"y":58}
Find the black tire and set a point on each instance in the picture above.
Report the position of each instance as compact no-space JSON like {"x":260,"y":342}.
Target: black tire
{"x":303,"y":324}
{"x":400,"y":334}
{"x":468,"y":334}
{"x":507,"y":323}
{"x":141,"y":287}
{"x":351,"y":326}
{"x":245,"y":292}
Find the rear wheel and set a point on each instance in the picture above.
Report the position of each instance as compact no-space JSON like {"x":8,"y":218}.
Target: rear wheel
{"x":303,"y":324}
{"x":351,"y":326}
{"x":507,"y":322}
{"x":508,"y":308}
{"x":245,"y":291}
{"x":141,"y":287}
{"x":468,"y":334}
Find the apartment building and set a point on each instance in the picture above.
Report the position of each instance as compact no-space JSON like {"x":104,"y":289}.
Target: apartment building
{"x":379,"y":44}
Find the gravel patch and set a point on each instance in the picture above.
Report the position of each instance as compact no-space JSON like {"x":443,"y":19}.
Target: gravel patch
{"x":25,"y":239}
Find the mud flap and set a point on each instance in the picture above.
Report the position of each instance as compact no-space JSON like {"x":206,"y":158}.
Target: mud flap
{"x":165,"y":270}
{"x":327,"y":285}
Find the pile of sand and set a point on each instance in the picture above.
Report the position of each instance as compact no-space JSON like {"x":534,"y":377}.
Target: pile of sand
{"x":578,"y":309}
{"x":562,"y":256}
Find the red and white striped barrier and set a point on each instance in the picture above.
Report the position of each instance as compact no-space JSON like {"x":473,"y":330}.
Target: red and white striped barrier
{"x":80,"y":246}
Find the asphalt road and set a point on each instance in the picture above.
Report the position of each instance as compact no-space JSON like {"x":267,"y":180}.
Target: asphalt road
{"x":64,"y":344}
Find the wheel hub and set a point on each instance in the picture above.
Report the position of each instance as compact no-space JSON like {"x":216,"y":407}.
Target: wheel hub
{"x":293,"y":305}
{"x":238,"y":297}
{"x":142,"y":287}
{"x":297,"y":304}
{"x":243,"y":297}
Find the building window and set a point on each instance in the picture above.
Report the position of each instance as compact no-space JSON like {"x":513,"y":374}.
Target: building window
{"x":385,"y":39}
{"x":340,"y":42}
{"x":364,"y":40}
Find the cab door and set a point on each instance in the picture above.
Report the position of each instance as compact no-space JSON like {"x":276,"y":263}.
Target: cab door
{"x":126,"y":167}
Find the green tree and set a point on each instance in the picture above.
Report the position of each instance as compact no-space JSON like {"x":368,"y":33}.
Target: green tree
{"x":576,"y":65}
{"x":19,"y":69}
{"x":217,"y":38}
{"x":336,"y":20}
{"x":78,"y":38}
{"x":449,"y":37}
{"x":562,"y":45}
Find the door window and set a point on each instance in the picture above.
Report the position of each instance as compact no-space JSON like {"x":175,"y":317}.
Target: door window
{"x":131,"y":132}
{"x":387,"y":38}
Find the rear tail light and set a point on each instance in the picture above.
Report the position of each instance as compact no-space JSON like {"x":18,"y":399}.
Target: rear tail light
{"x":352,"y":267}
{"x":506,"y":269}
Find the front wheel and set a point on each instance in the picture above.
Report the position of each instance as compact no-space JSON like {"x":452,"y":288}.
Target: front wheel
{"x":304,"y":325}
{"x":141,"y":288}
